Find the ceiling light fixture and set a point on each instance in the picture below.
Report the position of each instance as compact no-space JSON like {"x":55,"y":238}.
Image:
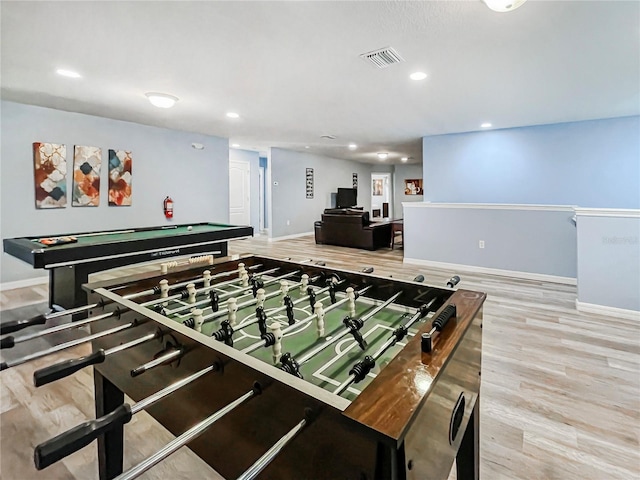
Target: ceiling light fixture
{"x":161,"y":100}
{"x":486,"y":125}
{"x":503,"y":5}
{"x":383,"y":156}
{"x":404,"y":159}
{"x":306,"y":146}
{"x":197,"y":146}
{"x":352,"y":146}
{"x":235,"y":145}
{"x":418,"y":76}
{"x":68,"y":73}
{"x":232,"y":115}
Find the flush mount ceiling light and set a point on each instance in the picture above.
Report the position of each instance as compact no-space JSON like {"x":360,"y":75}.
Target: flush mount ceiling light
{"x":306,"y":146}
{"x":404,"y":159}
{"x":503,"y":5}
{"x":232,"y":115}
{"x":486,"y":125}
{"x":418,"y":76}
{"x":382,"y":156}
{"x":235,"y":145}
{"x":197,"y":146}
{"x":352,"y":146}
{"x":68,"y":73}
{"x":161,"y":100}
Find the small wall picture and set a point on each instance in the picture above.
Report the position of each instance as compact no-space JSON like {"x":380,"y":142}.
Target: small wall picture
{"x":309,"y":183}
{"x":50,"y":174}
{"x":413,"y":186}
{"x":119,"y":178}
{"x":86,"y":176}
{"x":354,"y":180}
{"x":376,"y":187}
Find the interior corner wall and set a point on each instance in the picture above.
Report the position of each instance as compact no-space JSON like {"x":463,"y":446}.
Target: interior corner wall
{"x":592,"y":163}
{"x":401,"y":173}
{"x":164,"y":163}
{"x":253,"y":158}
{"x":288,"y":193}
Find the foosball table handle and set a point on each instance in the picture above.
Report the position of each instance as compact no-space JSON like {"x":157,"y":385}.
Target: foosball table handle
{"x":15,"y":325}
{"x":67,"y":367}
{"x":71,"y":441}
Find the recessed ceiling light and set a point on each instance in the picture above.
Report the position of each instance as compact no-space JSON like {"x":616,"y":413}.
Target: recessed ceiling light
{"x":68,"y":73}
{"x":418,"y":76}
{"x":235,"y":145}
{"x":161,"y":100}
{"x":232,"y":115}
{"x":486,"y":125}
{"x":503,"y":5}
{"x":197,"y":146}
{"x":383,"y":156}
{"x":352,"y":146}
{"x":404,"y":159}
{"x":306,"y":146}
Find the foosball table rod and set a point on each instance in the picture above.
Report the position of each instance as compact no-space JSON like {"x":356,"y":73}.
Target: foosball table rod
{"x":66,"y":443}
{"x":263,"y":462}
{"x":187,"y":436}
{"x":166,"y":266}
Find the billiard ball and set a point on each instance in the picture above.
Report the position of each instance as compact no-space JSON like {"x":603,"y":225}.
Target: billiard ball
{"x":189,"y":228}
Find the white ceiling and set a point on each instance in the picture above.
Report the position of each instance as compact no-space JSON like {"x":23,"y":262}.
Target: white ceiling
{"x":292,"y":69}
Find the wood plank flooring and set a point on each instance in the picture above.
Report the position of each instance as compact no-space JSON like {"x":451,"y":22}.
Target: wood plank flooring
{"x":560,"y":389}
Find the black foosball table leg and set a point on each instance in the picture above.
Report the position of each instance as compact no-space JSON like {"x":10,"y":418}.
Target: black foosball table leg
{"x":110,"y":445}
{"x":468,"y":458}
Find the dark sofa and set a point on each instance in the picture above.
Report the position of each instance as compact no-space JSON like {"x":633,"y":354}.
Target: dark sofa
{"x":348,"y":227}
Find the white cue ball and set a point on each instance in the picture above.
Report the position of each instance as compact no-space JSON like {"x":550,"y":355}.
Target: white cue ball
{"x":189,"y":228}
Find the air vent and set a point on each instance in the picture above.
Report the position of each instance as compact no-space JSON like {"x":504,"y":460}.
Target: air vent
{"x":383,"y":57}
{"x":328,"y":137}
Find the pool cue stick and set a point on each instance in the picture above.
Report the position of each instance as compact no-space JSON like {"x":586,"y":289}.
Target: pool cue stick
{"x":82,"y":435}
{"x":65,"y":368}
{"x":263,"y":462}
{"x":363,"y":367}
{"x":185,"y":438}
{"x":347,"y":331}
{"x":63,"y":346}
{"x":261,"y":343}
{"x":82,"y":235}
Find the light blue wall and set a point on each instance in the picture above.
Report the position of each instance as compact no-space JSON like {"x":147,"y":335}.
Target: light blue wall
{"x":164,"y":163}
{"x":516,"y":239}
{"x":288,"y":202}
{"x":253,"y":158}
{"x":590,"y":164}
{"x":609,"y":261}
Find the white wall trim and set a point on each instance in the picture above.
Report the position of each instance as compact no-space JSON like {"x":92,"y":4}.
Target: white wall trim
{"x":608,"y":212}
{"x":287,"y":237}
{"x":491,"y":206}
{"x":29,"y":282}
{"x":493,"y":271}
{"x":609,"y":311}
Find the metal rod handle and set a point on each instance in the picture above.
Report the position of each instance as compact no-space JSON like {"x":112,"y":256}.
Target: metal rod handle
{"x":169,"y":357}
{"x":183,"y":439}
{"x":254,"y":470}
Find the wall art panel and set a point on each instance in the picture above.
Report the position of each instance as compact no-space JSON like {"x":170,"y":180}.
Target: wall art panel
{"x":86,"y":176}
{"x":50,"y":175}
{"x":119,"y":178}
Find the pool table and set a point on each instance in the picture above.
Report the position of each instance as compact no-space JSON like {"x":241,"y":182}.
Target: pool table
{"x":70,"y":264}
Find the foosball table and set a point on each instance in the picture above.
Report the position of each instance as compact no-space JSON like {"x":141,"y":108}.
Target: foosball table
{"x":282,"y":370}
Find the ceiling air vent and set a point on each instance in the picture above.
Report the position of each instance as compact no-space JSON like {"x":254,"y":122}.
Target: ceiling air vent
{"x":328,"y":137}
{"x":383,"y":57}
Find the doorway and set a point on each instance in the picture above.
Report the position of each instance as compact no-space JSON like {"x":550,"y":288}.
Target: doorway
{"x":239,"y":193}
{"x":381,"y":196}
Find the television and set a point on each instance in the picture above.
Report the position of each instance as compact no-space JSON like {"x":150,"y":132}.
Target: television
{"x":346,"y":197}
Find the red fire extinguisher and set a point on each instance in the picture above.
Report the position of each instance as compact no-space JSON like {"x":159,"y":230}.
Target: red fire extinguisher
{"x":168,"y":207}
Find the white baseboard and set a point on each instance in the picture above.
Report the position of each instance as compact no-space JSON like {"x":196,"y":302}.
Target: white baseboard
{"x":29,"y":282}
{"x":287,"y":237}
{"x":493,"y":271}
{"x":609,"y":311}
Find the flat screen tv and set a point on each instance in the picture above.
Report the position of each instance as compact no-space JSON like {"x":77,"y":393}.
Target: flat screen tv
{"x":347,"y":197}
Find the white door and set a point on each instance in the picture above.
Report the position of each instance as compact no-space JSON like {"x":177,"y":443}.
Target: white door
{"x":239,"y":193}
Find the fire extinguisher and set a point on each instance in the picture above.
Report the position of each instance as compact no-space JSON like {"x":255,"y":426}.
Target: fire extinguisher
{"x":168,"y":207}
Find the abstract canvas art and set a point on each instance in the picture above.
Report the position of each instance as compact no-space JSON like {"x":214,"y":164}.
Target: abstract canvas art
{"x":119,"y":177}
{"x":50,"y":175}
{"x":86,"y":176}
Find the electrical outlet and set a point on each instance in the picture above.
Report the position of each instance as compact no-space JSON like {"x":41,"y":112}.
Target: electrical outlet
{"x":481,"y":244}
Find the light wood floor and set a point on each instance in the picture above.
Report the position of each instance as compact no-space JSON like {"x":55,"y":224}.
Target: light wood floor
{"x":560,"y":389}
